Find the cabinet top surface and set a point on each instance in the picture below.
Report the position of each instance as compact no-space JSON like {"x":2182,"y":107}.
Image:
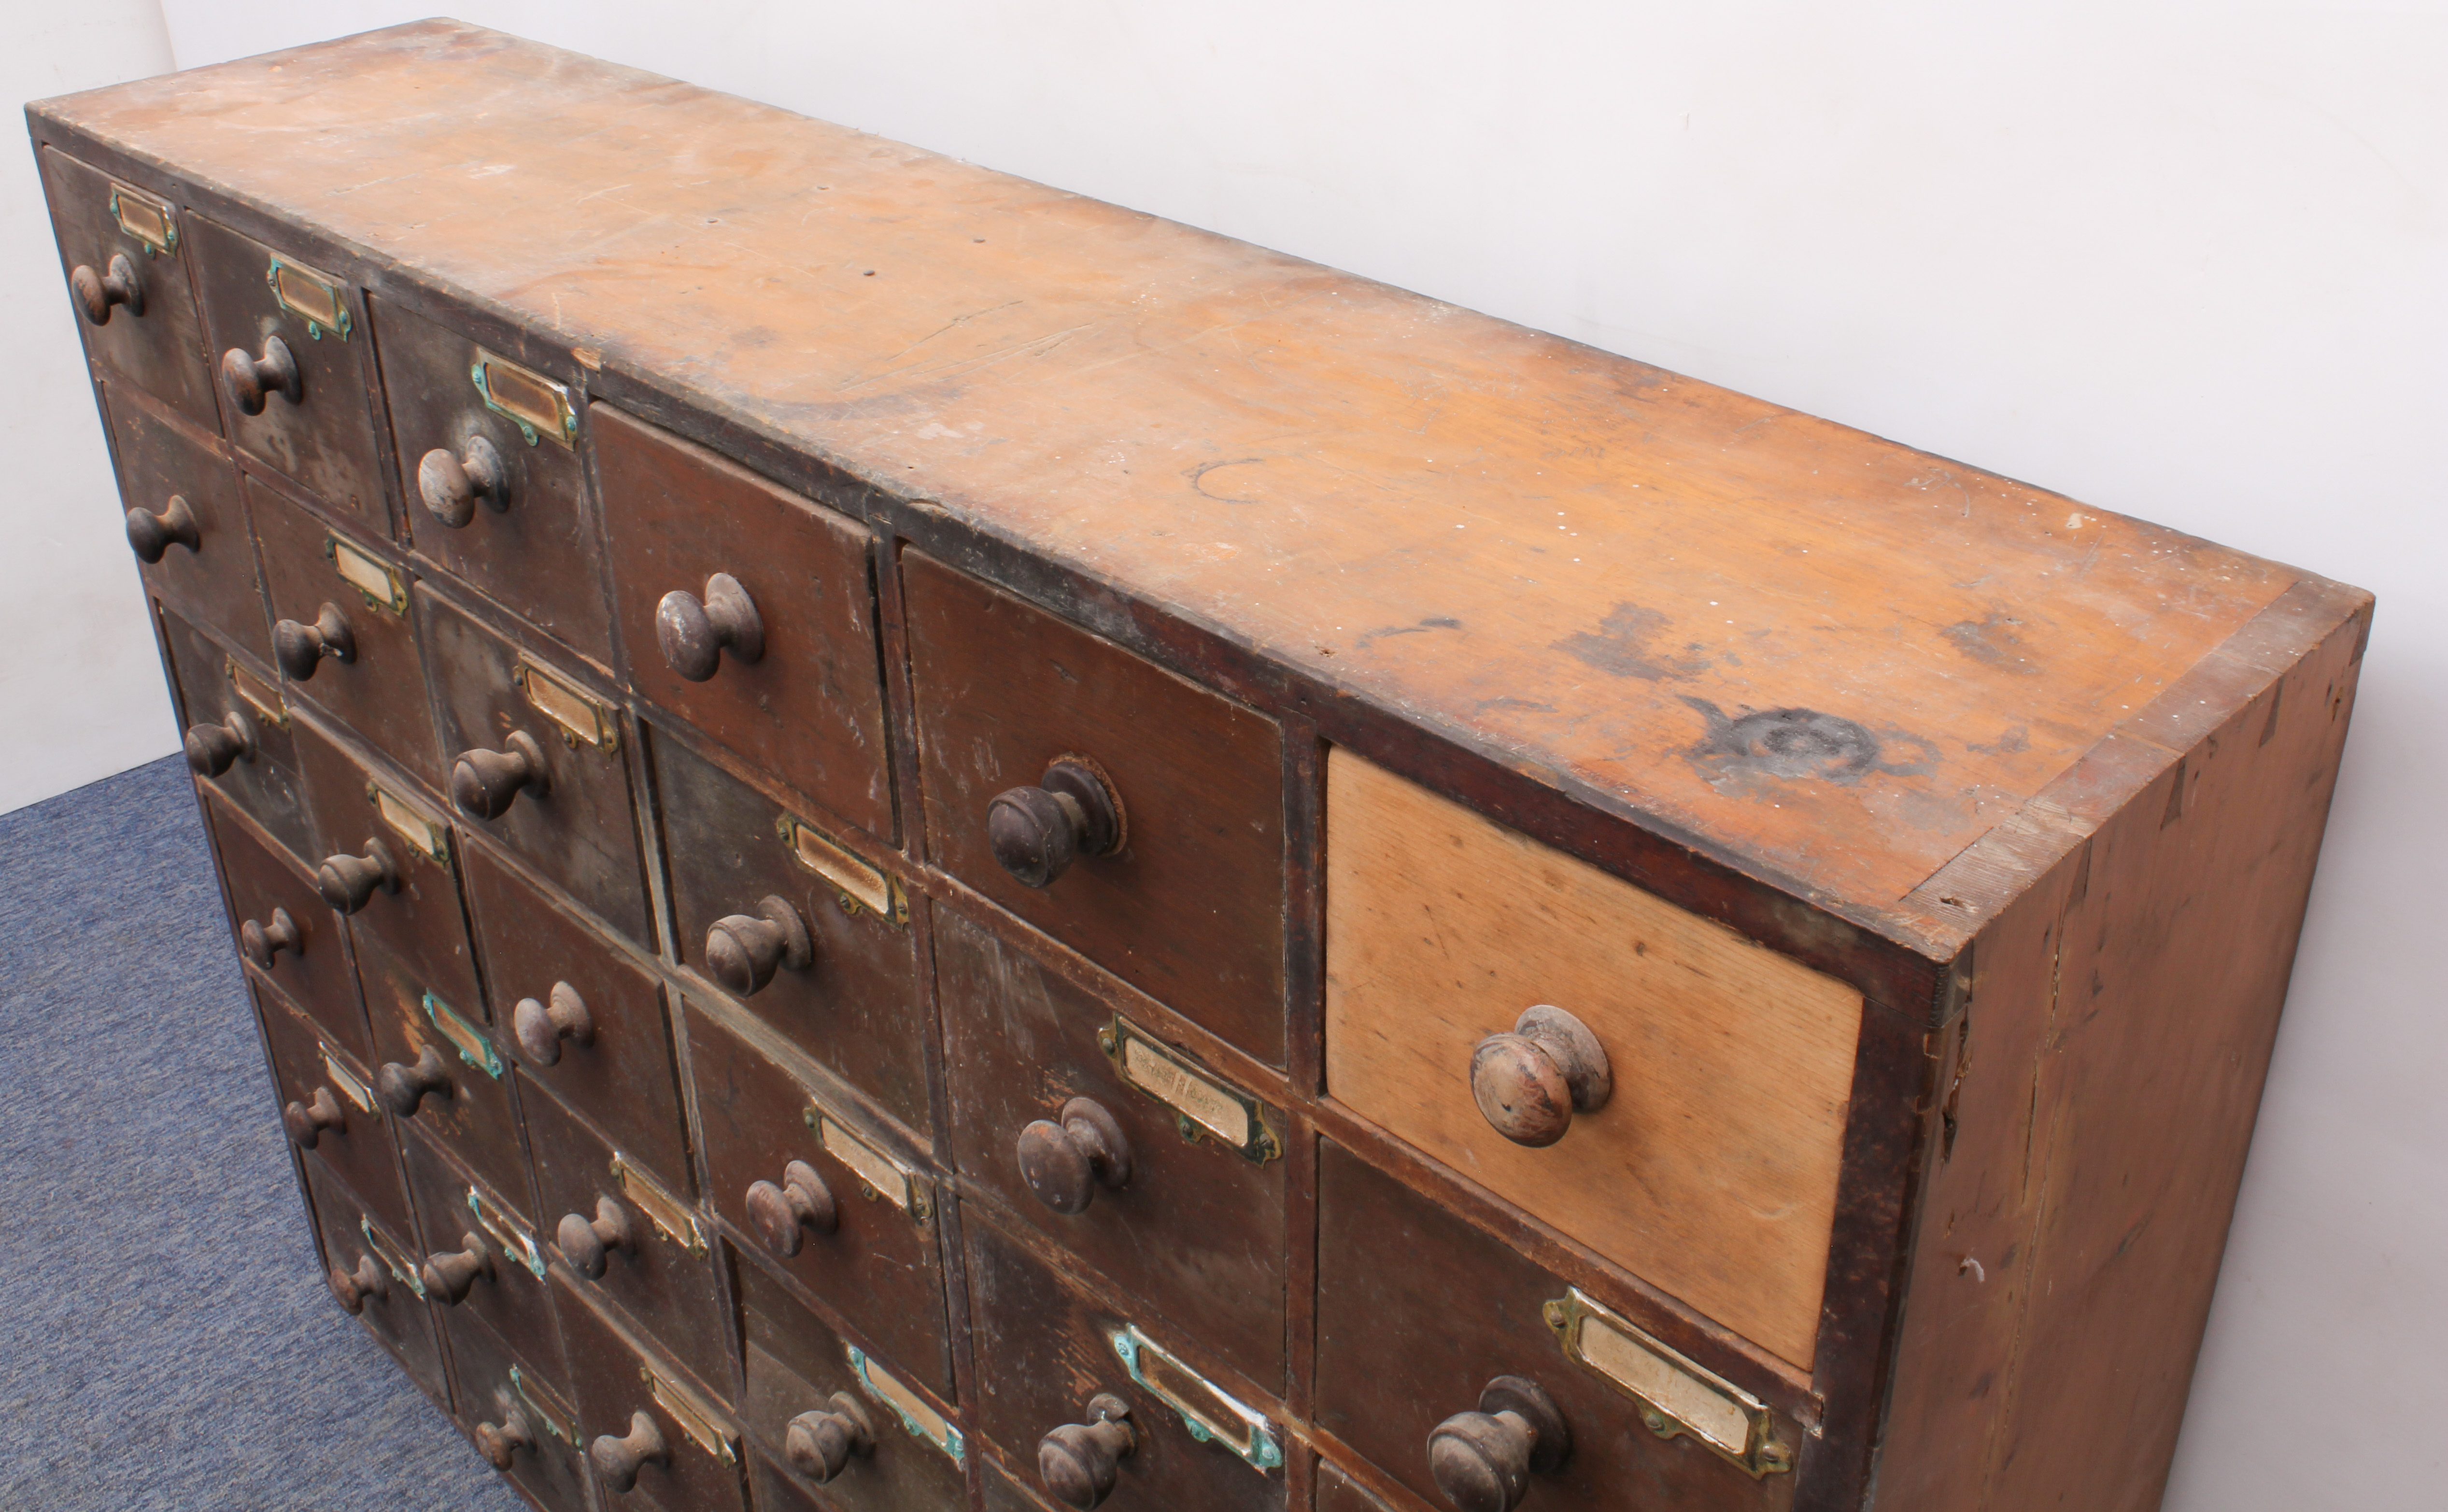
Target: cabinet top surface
{"x":1828,"y":660}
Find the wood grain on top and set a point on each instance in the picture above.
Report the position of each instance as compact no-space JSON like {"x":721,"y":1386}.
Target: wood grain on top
{"x":1830,"y":659}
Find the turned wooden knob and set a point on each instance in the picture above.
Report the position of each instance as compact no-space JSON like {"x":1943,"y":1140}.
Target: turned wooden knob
{"x":1530,"y":1082}
{"x":617,"y":1460}
{"x":404,"y":1088}
{"x":742,"y":951}
{"x":820,"y":1445}
{"x":1067,"y":1158}
{"x":449,"y":484}
{"x":694,"y":632}
{"x":259,"y":942}
{"x":449,"y":1276}
{"x":353,"y":1288}
{"x":1037,"y":832}
{"x":250,"y":380}
{"x":213,"y":749}
{"x":540,"y":1028}
{"x":300,"y":648}
{"x":151,"y":536}
{"x":1077,"y":1460}
{"x":307,"y":1121}
{"x":115,"y":285}
{"x":484,"y":783}
{"x":801,"y":1203}
{"x":586,"y":1243}
{"x":1482,"y":1460}
{"x":500,"y":1443}
{"x":348,"y":883}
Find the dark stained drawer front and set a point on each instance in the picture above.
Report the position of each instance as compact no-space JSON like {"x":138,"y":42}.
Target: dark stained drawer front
{"x":1067,"y":1364}
{"x":1180,"y":892}
{"x":654,"y":1441}
{"x":579,"y":1017}
{"x":481,"y":1254}
{"x":1337,"y":1491}
{"x":519,"y":1415}
{"x":237,"y":736}
{"x":126,"y":252}
{"x":343,"y":633}
{"x":284,"y":930}
{"x":293,"y":362}
{"x":373,"y":1273}
{"x":1418,"y":1314}
{"x":486,"y":446}
{"x":824,"y":1412}
{"x":438,"y":1073}
{"x":1104,"y":1140}
{"x":329,"y":1109}
{"x":538,"y":762}
{"x":636,"y":1242}
{"x":750,"y":612}
{"x":185,"y":521}
{"x":812,"y":938}
{"x":827,"y":1200}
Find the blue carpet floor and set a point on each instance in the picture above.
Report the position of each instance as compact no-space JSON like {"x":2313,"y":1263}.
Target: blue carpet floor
{"x":166,"y":1339}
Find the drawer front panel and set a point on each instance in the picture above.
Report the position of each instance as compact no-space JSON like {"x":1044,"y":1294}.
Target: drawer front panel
{"x":688,"y":1459}
{"x":460,"y":1220}
{"x":1417,"y":1311}
{"x":879,"y":1263}
{"x":281,"y":925}
{"x":1336,"y":1491}
{"x":795,"y":1366}
{"x":318,"y":578}
{"x":328,"y":1096}
{"x":463,"y":1104}
{"x":1196,"y":1230}
{"x":656,"y":1264}
{"x":1191,"y":906}
{"x":234,"y":718}
{"x":1711,"y":1171}
{"x":276,"y":319}
{"x":394,"y":1308}
{"x":490,"y":476}
{"x":181,"y":480}
{"x":131,"y":247}
{"x":509,"y":1404}
{"x":1049,"y":1350}
{"x":854,"y":1002}
{"x":809,"y":706}
{"x":557,"y":986}
{"x":542,"y":754}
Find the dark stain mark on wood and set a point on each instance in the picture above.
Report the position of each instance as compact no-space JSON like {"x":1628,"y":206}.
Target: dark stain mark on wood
{"x":2017,"y":739}
{"x":1795,"y":743}
{"x":1992,"y":641}
{"x":1199,"y":477}
{"x":1432,"y":623}
{"x":1621,"y":646}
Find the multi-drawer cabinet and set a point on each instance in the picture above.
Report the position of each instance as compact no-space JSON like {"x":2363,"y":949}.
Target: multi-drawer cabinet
{"x":906,"y":841}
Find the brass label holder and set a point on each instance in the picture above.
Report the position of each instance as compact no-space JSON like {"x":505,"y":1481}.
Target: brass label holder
{"x":527,"y":399}
{"x":1677,"y":1397}
{"x":674,"y":1221}
{"x":350,"y":1087}
{"x":697,"y":1420}
{"x":856,"y":884}
{"x":402,"y":1268}
{"x":583,"y":720}
{"x":464,"y":1037}
{"x":549,"y":1410}
{"x":257,"y":694}
{"x":506,"y":1230}
{"x":879,"y":1175}
{"x":428,"y":838}
{"x":312,"y":296}
{"x":146,"y":219}
{"x":1202,"y":1105}
{"x":380,"y":587}
{"x":919,"y":1418}
{"x":1212,"y":1416}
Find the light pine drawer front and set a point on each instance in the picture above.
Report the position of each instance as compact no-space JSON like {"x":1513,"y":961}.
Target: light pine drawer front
{"x":1711,"y":1172}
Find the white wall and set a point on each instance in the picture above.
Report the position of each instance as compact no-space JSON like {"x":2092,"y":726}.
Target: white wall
{"x":2185,"y":261}
{"x":80,"y":681}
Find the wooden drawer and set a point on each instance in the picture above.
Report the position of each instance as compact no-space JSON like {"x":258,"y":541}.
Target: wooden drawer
{"x":901,"y":1450}
{"x":684,"y":1457}
{"x":125,"y":249}
{"x":803,"y":697}
{"x":851,"y":998}
{"x":1418,"y":1311}
{"x":519,"y":1415}
{"x":1194,"y":1228}
{"x":440,"y":1074}
{"x":557,"y":988}
{"x":372,"y":1273}
{"x":487,"y":451}
{"x":1333,"y":1489}
{"x":1711,"y":1170}
{"x":328,"y":1106}
{"x":1190,"y":908}
{"x":482,"y":1254}
{"x":330,"y":589}
{"x":539,"y":762}
{"x":237,"y":734}
{"x":289,"y":344}
{"x":284,"y":930}
{"x":879,"y":1262}
{"x":187,"y":521}
{"x":1051,"y":1349}
{"x":648,"y":1252}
